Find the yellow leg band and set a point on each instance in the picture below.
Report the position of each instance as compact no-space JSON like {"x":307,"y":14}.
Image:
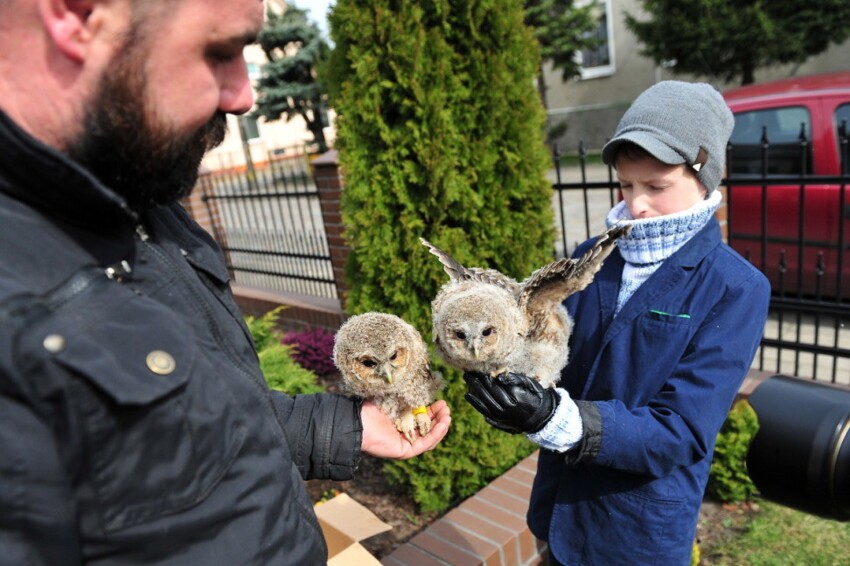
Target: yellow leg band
{"x":420,"y":410}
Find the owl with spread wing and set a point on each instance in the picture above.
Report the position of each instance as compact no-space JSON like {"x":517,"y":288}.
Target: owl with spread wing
{"x":487,"y":322}
{"x":383,"y":359}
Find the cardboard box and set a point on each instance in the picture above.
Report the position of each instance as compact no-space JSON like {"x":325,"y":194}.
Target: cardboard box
{"x":345,"y":523}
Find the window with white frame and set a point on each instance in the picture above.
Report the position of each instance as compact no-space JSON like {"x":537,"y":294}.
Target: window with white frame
{"x":599,"y":62}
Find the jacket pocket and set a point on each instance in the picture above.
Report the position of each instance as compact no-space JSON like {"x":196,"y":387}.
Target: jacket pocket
{"x":160,"y":428}
{"x":658,"y":345}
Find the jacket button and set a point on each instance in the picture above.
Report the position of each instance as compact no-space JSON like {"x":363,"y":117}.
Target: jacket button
{"x":161,"y":363}
{"x":54,"y":343}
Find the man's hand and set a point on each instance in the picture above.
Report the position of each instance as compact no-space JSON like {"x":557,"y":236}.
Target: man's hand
{"x":511,"y":402}
{"x":382,"y":439}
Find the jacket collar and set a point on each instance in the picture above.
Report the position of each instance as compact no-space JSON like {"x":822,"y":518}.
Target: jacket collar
{"x":660,"y":283}
{"x":46,"y":179}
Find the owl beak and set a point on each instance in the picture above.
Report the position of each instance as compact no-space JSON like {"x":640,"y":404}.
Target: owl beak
{"x":476,"y":349}
{"x":387,"y":372}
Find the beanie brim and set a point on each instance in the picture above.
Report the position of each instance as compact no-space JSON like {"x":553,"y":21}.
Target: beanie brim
{"x":648,"y":141}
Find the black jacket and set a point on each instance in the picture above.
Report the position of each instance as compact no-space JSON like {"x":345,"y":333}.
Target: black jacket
{"x":135,"y":424}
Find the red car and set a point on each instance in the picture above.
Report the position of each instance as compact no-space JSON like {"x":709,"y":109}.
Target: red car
{"x":772,"y":207}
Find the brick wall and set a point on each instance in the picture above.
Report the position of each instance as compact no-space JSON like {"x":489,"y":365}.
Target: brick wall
{"x":487,"y":529}
{"x":301,"y":310}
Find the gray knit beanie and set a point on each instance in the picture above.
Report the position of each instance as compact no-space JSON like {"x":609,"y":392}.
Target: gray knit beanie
{"x":679,"y":122}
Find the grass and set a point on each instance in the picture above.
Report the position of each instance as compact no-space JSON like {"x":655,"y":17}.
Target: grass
{"x":778,"y":536}
{"x":573,"y":160}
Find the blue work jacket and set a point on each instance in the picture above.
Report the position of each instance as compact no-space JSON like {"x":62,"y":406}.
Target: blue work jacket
{"x":654,"y":385}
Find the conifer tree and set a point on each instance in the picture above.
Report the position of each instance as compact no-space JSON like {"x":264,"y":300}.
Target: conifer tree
{"x":289,"y":85}
{"x":730,"y":39}
{"x":440,"y":132}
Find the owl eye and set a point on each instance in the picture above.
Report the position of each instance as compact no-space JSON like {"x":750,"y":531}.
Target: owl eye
{"x":488,"y":331}
{"x":369,"y":363}
{"x":460,"y":335}
{"x":394,"y":356}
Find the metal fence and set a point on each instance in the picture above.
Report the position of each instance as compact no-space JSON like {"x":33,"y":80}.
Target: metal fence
{"x":270,"y":225}
{"x":794,"y":227}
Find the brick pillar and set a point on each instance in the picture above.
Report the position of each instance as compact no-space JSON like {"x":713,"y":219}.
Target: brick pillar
{"x":205,"y":211}
{"x":329,"y":183}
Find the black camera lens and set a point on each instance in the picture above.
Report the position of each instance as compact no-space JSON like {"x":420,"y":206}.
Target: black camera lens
{"x":800,"y":456}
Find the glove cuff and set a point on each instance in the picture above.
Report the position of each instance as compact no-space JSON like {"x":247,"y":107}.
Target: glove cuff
{"x":564,"y":429}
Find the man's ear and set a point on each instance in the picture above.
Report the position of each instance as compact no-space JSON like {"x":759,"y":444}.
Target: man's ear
{"x":70,"y":24}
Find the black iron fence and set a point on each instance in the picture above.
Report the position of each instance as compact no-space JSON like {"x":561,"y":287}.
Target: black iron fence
{"x":270,"y":225}
{"x":792,"y":224}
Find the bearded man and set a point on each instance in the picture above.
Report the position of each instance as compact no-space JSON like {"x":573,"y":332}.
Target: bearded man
{"x":135,"y":424}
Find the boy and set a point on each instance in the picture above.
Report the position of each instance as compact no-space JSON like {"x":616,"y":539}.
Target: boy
{"x":663,"y":338}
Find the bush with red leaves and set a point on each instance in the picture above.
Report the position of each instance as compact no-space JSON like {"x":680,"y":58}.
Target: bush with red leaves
{"x":313,"y":350}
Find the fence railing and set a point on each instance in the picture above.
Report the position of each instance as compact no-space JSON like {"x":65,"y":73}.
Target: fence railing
{"x":793,"y":226}
{"x":270,"y":225}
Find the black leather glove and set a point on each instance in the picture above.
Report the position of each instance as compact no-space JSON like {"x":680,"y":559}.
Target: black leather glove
{"x":511,"y":402}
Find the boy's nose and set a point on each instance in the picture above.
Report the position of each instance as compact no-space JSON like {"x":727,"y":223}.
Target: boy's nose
{"x":639,"y":206}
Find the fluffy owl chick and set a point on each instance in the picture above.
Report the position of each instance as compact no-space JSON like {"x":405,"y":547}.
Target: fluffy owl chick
{"x":486,"y":322}
{"x":384,"y":359}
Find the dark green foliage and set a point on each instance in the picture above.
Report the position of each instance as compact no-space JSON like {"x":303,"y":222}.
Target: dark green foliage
{"x":289,"y":85}
{"x":730,"y":39}
{"x":562,"y":30}
{"x":264,"y":328}
{"x":281,"y":371}
{"x":472,"y":455}
{"x":440,"y":133}
{"x":728,"y":480}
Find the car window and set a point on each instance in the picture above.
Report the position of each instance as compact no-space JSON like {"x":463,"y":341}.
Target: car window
{"x":842,"y":128}
{"x":785,"y":154}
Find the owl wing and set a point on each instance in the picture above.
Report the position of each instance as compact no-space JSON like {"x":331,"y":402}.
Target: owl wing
{"x":550,"y":285}
{"x":460,"y":273}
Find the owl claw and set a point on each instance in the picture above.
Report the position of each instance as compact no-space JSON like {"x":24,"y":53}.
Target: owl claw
{"x":407,"y":426}
{"x":423,"y":421}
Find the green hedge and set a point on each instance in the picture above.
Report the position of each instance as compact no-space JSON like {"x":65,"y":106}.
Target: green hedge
{"x":441,"y":135}
{"x":728,"y":479}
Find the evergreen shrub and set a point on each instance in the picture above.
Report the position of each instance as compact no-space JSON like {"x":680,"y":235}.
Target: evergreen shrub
{"x":279,"y":367}
{"x":728,"y":480}
{"x":440,"y":135}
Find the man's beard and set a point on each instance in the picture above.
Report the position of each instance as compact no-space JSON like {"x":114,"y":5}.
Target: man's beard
{"x":129,"y":150}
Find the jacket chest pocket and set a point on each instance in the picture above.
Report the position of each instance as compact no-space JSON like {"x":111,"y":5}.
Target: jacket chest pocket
{"x":659,"y":343}
{"x":160,"y":426}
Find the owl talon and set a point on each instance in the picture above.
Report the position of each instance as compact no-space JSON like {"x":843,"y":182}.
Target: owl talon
{"x":423,"y":422}
{"x":407,"y":426}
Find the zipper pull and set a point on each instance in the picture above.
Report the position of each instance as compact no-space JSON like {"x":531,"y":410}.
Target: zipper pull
{"x":143,"y":235}
{"x":118,"y":271}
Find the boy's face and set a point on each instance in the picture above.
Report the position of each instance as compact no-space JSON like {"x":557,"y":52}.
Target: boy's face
{"x":651,"y":188}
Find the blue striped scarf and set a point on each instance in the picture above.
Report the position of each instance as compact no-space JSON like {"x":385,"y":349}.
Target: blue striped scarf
{"x":652,"y":240}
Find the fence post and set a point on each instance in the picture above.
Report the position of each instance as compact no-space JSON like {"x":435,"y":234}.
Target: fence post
{"x":722,"y":213}
{"x":329,"y":183}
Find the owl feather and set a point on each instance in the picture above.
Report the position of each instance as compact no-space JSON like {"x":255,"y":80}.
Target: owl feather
{"x":485,"y":321}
